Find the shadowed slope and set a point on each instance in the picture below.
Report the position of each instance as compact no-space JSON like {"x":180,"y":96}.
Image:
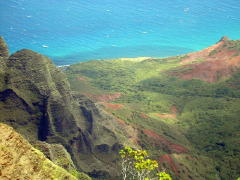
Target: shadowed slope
{"x":37,"y":101}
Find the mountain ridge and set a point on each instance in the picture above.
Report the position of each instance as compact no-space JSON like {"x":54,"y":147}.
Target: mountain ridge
{"x":36,"y":100}
{"x":216,"y":62}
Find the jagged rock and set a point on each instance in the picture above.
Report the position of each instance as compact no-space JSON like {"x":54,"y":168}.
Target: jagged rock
{"x":36,"y":100}
{"x":19,"y":160}
{"x":224,"y":38}
{"x":57,"y":154}
{"x":4,"y":53}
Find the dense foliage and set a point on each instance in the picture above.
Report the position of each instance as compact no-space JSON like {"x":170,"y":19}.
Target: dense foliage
{"x":206,"y":115}
{"x":136,"y":165}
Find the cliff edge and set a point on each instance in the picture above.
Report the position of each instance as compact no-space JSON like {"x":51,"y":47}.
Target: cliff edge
{"x":19,"y":160}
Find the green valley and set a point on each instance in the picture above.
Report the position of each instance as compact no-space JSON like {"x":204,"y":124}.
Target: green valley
{"x":189,"y":120}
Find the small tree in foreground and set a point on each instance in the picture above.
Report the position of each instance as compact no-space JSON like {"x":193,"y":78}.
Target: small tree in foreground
{"x":137,"y":166}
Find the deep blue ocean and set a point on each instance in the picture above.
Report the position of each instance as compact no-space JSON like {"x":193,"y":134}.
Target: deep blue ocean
{"x":71,"y":31}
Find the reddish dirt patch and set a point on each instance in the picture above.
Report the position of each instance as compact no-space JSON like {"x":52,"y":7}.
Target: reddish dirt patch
{"x":173,"y":115}
{"x":174,"y":110}
{"x":168,"y":159}
{"x":131,"y":131}
{"x":201,"y":54}
{"x":178,"y":148}
{"x":171,"y":147}
{"x":214,"y":67}
{"x":112,"y":106}
{"x":121,"y":122}
{"x":144,"y":116}
{"x":104,"y":97}
{"x":118,"y":125}
{"x":154,"y":135}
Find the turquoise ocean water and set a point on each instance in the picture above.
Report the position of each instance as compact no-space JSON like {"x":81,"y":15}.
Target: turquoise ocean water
{"x":70,"y":31}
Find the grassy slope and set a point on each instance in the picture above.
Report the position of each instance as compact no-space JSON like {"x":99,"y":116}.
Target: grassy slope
{"x":208,"y":113}
{"x":20,"y":160}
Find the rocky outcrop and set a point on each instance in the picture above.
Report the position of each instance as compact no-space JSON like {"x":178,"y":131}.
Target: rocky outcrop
{"x":224,"y":39}
{"x":19,"y":160}
{"x":57,"y":154}
{"x":4,"y":53}
{"x":36,"y":100}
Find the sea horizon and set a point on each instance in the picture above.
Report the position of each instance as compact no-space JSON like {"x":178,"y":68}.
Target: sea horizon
{"x":76,"y":31}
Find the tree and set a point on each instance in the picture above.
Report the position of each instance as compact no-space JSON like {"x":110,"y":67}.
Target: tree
{"x":136,"y":165}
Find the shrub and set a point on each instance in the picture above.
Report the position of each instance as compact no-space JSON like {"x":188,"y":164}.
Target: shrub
{"x":136,"y":165}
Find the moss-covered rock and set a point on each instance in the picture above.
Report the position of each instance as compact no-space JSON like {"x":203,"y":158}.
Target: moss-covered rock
{"x":4,"y":53}
{"x":36,"y":100}
{"x":57,"y":154}
{"x":19,"y":160}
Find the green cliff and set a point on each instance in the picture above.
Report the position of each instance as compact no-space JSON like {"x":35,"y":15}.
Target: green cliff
{"x":36,"y":100}
{"x":19,"y":160}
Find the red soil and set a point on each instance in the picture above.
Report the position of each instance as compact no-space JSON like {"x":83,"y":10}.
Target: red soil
{"x":174,"y":110}
{"x":201,"y":54}
{"x":178,"y":148}
{"x":130,"y":131}
{"x":144,"y":116}
{"x":112,"y":106}
{"x":121,"y":122}
{"x":173,"y":115}
{"x":104,"y":97}
{"x":168,"y":159}
{"x":215,"y":67}
{"x":173,"y":148}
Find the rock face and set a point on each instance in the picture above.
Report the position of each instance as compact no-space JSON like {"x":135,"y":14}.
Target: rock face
{"x":57,"y":154}
{"x":19,"y":160}
{"x":36,"y":100}
{"x":3,"y":48}
{"x":3,"y":55}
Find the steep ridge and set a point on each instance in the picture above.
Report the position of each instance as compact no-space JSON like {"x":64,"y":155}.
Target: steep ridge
{"x":19,"y":160}
{"x":3,"y":55}
{"x":36,"y":100}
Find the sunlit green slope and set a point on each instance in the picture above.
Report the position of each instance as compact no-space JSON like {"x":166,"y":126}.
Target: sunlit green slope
{"x":192,"y":101}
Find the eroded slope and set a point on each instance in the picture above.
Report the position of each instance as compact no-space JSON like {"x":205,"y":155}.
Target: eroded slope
{"x":19,"y":160}
{"x":191,"y":125}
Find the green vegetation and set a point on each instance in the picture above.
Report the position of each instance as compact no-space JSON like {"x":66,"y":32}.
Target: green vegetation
{"x":19,"y":160}
{"x":230,"y":45}
{"x":137,"y":165}
{"x":79,"y":175}
{"x":204,"y":117}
